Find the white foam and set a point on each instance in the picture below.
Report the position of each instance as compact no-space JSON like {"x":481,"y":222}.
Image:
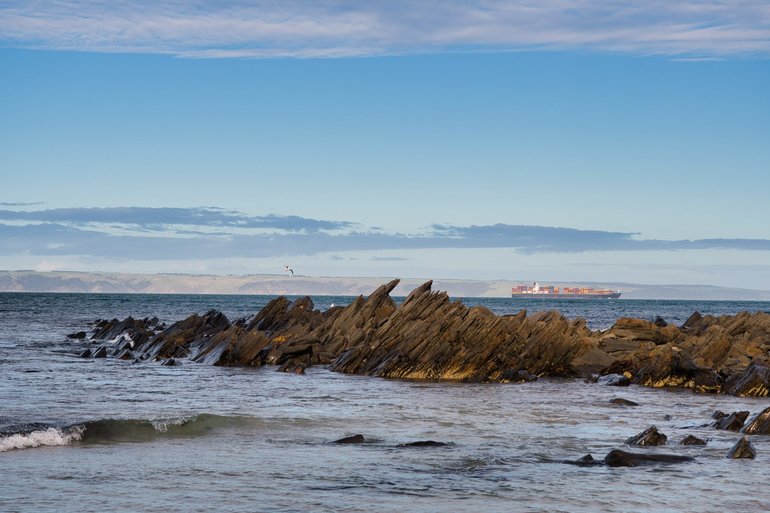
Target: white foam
{"x":162,"y":425}
{"x":47,"y":437}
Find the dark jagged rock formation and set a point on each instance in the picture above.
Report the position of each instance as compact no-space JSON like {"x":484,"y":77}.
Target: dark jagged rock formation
{"x":430,"y":336}
{"x":692,"y":440}
{"x":759,"y":425}
{"x":649,"y":437}
{"x":732,"y":422}
{"x":742,"y":449}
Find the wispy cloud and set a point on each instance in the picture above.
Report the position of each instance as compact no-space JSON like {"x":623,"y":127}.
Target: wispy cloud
{"x":210,"y":233}
{"x":339,"y":28}
{"x":19,"y":204}
{"x":163,"y":219}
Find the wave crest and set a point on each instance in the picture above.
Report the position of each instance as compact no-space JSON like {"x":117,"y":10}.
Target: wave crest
{"x":105,"y":431}
{"x":45,"y":437}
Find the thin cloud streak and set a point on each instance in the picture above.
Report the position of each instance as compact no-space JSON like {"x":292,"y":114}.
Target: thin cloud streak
{"x":327,"y":28}
{"x":160,"y":219}
{"x":209,"y":233}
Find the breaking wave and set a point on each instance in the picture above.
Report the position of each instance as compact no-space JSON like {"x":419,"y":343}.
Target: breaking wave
{"x":44,"y":437}
{"x":124,"y":430}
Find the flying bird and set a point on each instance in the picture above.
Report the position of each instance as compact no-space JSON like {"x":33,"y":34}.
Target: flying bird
{"x":288,"y":269}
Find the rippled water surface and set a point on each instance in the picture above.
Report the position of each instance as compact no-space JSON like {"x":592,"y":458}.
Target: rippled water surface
{"x":112,"y":436}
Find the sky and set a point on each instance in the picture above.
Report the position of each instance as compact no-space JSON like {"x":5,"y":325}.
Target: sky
{"x":559,"y":140}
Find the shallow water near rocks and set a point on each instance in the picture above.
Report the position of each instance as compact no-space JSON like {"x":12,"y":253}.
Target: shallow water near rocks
{"x":107,"y":435}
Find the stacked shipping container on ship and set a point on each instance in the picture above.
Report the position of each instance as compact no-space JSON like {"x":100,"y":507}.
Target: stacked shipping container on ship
{"x":538,"y":291}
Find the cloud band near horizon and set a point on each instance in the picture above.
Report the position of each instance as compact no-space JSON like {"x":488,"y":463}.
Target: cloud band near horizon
{"x":140,"y":233}
{"x":338,"y":28}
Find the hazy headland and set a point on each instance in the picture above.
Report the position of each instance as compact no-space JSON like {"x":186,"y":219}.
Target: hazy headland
{"x":277,"y":284}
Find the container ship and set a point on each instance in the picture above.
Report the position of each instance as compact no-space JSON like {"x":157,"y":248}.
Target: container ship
{"x":537,"y":291}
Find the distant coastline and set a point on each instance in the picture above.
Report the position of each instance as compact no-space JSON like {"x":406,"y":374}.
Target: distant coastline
{"x":277,"y":284}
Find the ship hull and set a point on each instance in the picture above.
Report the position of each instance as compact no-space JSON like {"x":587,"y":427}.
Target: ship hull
{"x":614,"y":295}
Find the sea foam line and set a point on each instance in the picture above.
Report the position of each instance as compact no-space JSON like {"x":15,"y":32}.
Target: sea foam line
{"x":47,"y":437}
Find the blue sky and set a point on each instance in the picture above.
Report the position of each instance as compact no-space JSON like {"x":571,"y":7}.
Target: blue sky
{"x":572,"y":141}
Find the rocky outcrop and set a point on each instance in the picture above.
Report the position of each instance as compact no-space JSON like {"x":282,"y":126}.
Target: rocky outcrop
{"x":743,"y":448}
{"x":692,"y":440}
{"x":759,"y":425}
{"x":732,"y":422}
{"x":429,"y":336}
{"x":649,"y":437}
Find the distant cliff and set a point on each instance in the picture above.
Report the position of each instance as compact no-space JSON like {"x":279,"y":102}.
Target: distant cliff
{"x":276,"y":284}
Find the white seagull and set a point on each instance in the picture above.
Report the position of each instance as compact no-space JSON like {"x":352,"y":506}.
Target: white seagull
{"x":288,"y":269}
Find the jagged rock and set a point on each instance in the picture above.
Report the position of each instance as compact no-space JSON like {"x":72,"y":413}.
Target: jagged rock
{"x":742,"y":449}
{"x":101,"y":352}
{"x":79,"y":335}
{"x":732,"y":422}
{"x":125,"y":354}
{"x":108,"y":330}
{"x":614,"y":380}
{"x":649,"y":437}
{"x":169,"y":363}
{"x":718,"y":414}
{"x":754,"y":382}
{"x":175,"y":341}
{"x":692,"y":440}
{"x":623,"y":402}
{"x":660,"y":322}
{"x":86,"y":354}
{"x":693,"y":320}
{"x":760,"y":424}
{"x":618,"y":458}
{"x":429,"y":336}
{"x":354,"y":439}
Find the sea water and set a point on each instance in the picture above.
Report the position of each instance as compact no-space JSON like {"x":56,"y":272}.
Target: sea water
{"x":108,"y":435}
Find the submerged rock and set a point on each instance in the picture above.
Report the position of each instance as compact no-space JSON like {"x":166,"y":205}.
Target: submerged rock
{"x":649,"y":437}
{"x":78,"y":335}
{"x":584,"y":461}
{"x":623,"y":402}
{"x":425,"y":443}
{"x":692,"y":440}
{"x":618,"y":458}
{"x":354,"y":439}
{"x":742,"y":449}
{"x":517,"y":376}
{"x":614,"y":380}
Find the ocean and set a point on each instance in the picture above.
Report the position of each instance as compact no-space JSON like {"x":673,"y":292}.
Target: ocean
{"x":108,"y":435}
